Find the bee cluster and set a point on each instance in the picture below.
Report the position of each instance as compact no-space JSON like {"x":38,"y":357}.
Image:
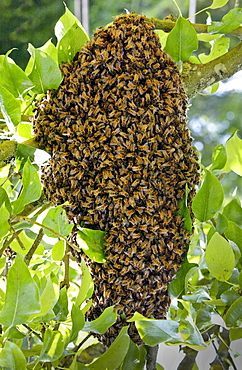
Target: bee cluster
{"x":122,"y":157}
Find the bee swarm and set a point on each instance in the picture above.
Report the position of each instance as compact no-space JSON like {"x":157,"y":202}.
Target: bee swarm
{"x":121,"y":157}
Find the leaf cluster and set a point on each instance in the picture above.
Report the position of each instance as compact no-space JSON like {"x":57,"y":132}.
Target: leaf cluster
{"x":45,"y":293}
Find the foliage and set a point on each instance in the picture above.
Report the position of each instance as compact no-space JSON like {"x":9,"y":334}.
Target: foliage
{"x":44,"y":292}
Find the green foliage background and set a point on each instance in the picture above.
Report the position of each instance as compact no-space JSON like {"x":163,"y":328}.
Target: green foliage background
{"x":44,"y":292}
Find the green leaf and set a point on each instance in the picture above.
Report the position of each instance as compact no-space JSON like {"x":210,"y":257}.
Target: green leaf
{"x":163,"y":37}
{"x":78,"y":321}
{"x":26,"y":242}
{"x":153,"y":332}
{"x":56,"y":220}
{"x":103,"y":322}
{"x":48,"y":298}
{"x":71,"y":43}
{"x":115,"y":354}
{"x":233,"y":211}
{"x":177,"y":286}
{"x":135,"y":358}
{"x":234,"y":154}
{"x":65,"y":22}
{"x":234,"y":233}
{"x":58,"y":250}
{"x":11,"y":357}
{"x":191,"y":335}
{"x":53,"y":346}
{"x":181,"y":41}
{"x":235,"y":334}
{"x":92,"y":243}
{"x":10,"y":108}
{"x":220,"y":46}
{"x":229,"y":297}
{"x":22,"y":295}
{"x":87,"y":285}
{"x":14,"y":79}
{"x":31,"y":190}
{"x":4,"y":225}
{"x":184,"y":211}
{"x":209,"y":198}
{"x":61,"y":308}
{"x":220,"y":258}
{"x":221,"y":223}
{"x":218,"y":4}
{"x":5,"y":200}
{"x":45,"y":73}
{"x":233,"y":316}
{"x":229,"y":22}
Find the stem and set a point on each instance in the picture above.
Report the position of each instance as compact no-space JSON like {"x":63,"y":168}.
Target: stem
{"x":151,"y":357}
{"x":66,"y":359}
{"x":179,"y":10}
{"x":17,"y":237}
{"x":35,"y":245}
{"x":29,"y":220}
{"x":66,"y":260}
{"x":188,"y":361}
{"x":33,"y":332}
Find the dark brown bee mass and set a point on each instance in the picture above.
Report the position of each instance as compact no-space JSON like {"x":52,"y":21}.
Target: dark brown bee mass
{"x":121,"y":157}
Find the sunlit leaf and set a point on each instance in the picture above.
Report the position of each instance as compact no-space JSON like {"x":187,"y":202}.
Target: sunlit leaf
{"x":209,"y":198}
{"x":181,"y":41}
{"x":56,"y":220}
{"x":92,"y":242}
{"x":14,"y":79}
{"x":31,"y":190}
{"x":220,"y":46}
{"x":235,"y":334}
{"x":103,"y":322}
{"x":115,"y":354}
{"x":177,"y":286}
{"x":233,"y":316}
{"x":11,"y":357}
{"x":220,"y":257}
{"x":219,"y":157}
{"x":48,"y":298}
{"x":233,"y":211}
{"x":234,"y":233}
{"x":58,"y":250}
{"x":22,"y":295}
{"x":163,"y":37}
{"x":191,"y":335}
{"x":87,"y":286}
{"x":78,"y":321}
{"x":71,"y":43}
{"x":10,"y":108}
{"x":45,"y":73}
{"x":218,"y":4}
{"x":65,"y":22}
{"x":26,"y":242}
{"x":4,"y":216}
{"x":53,"y":346}
{"x":153,"y":332}
{"x":229,"y":22}
{"x":234,"y":154}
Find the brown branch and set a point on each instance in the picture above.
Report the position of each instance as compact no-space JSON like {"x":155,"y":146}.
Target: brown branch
{"x":35,"y":245}
{"x":167,"y":25}
{"x":189,"y":360}
{"x":197,"y":77}
{"x":151,"y":357}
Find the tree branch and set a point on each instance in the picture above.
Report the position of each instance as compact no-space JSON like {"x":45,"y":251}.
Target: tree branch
{"x":151,"y":357}
{"x":167,"y":25}
{"x":197,"y":77}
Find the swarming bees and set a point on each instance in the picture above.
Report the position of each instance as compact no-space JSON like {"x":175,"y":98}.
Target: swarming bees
{"x":122,"y":158}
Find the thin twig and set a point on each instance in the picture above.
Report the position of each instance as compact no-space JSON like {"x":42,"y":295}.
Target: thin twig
{"x":17,"y":237}
{"x":66,"y":359}
{"x":31,"y":221}
{"x":35,"y":245}
{"x":33,"y":332}
{"x":151,"y":357}
{"x":66,"y":260}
